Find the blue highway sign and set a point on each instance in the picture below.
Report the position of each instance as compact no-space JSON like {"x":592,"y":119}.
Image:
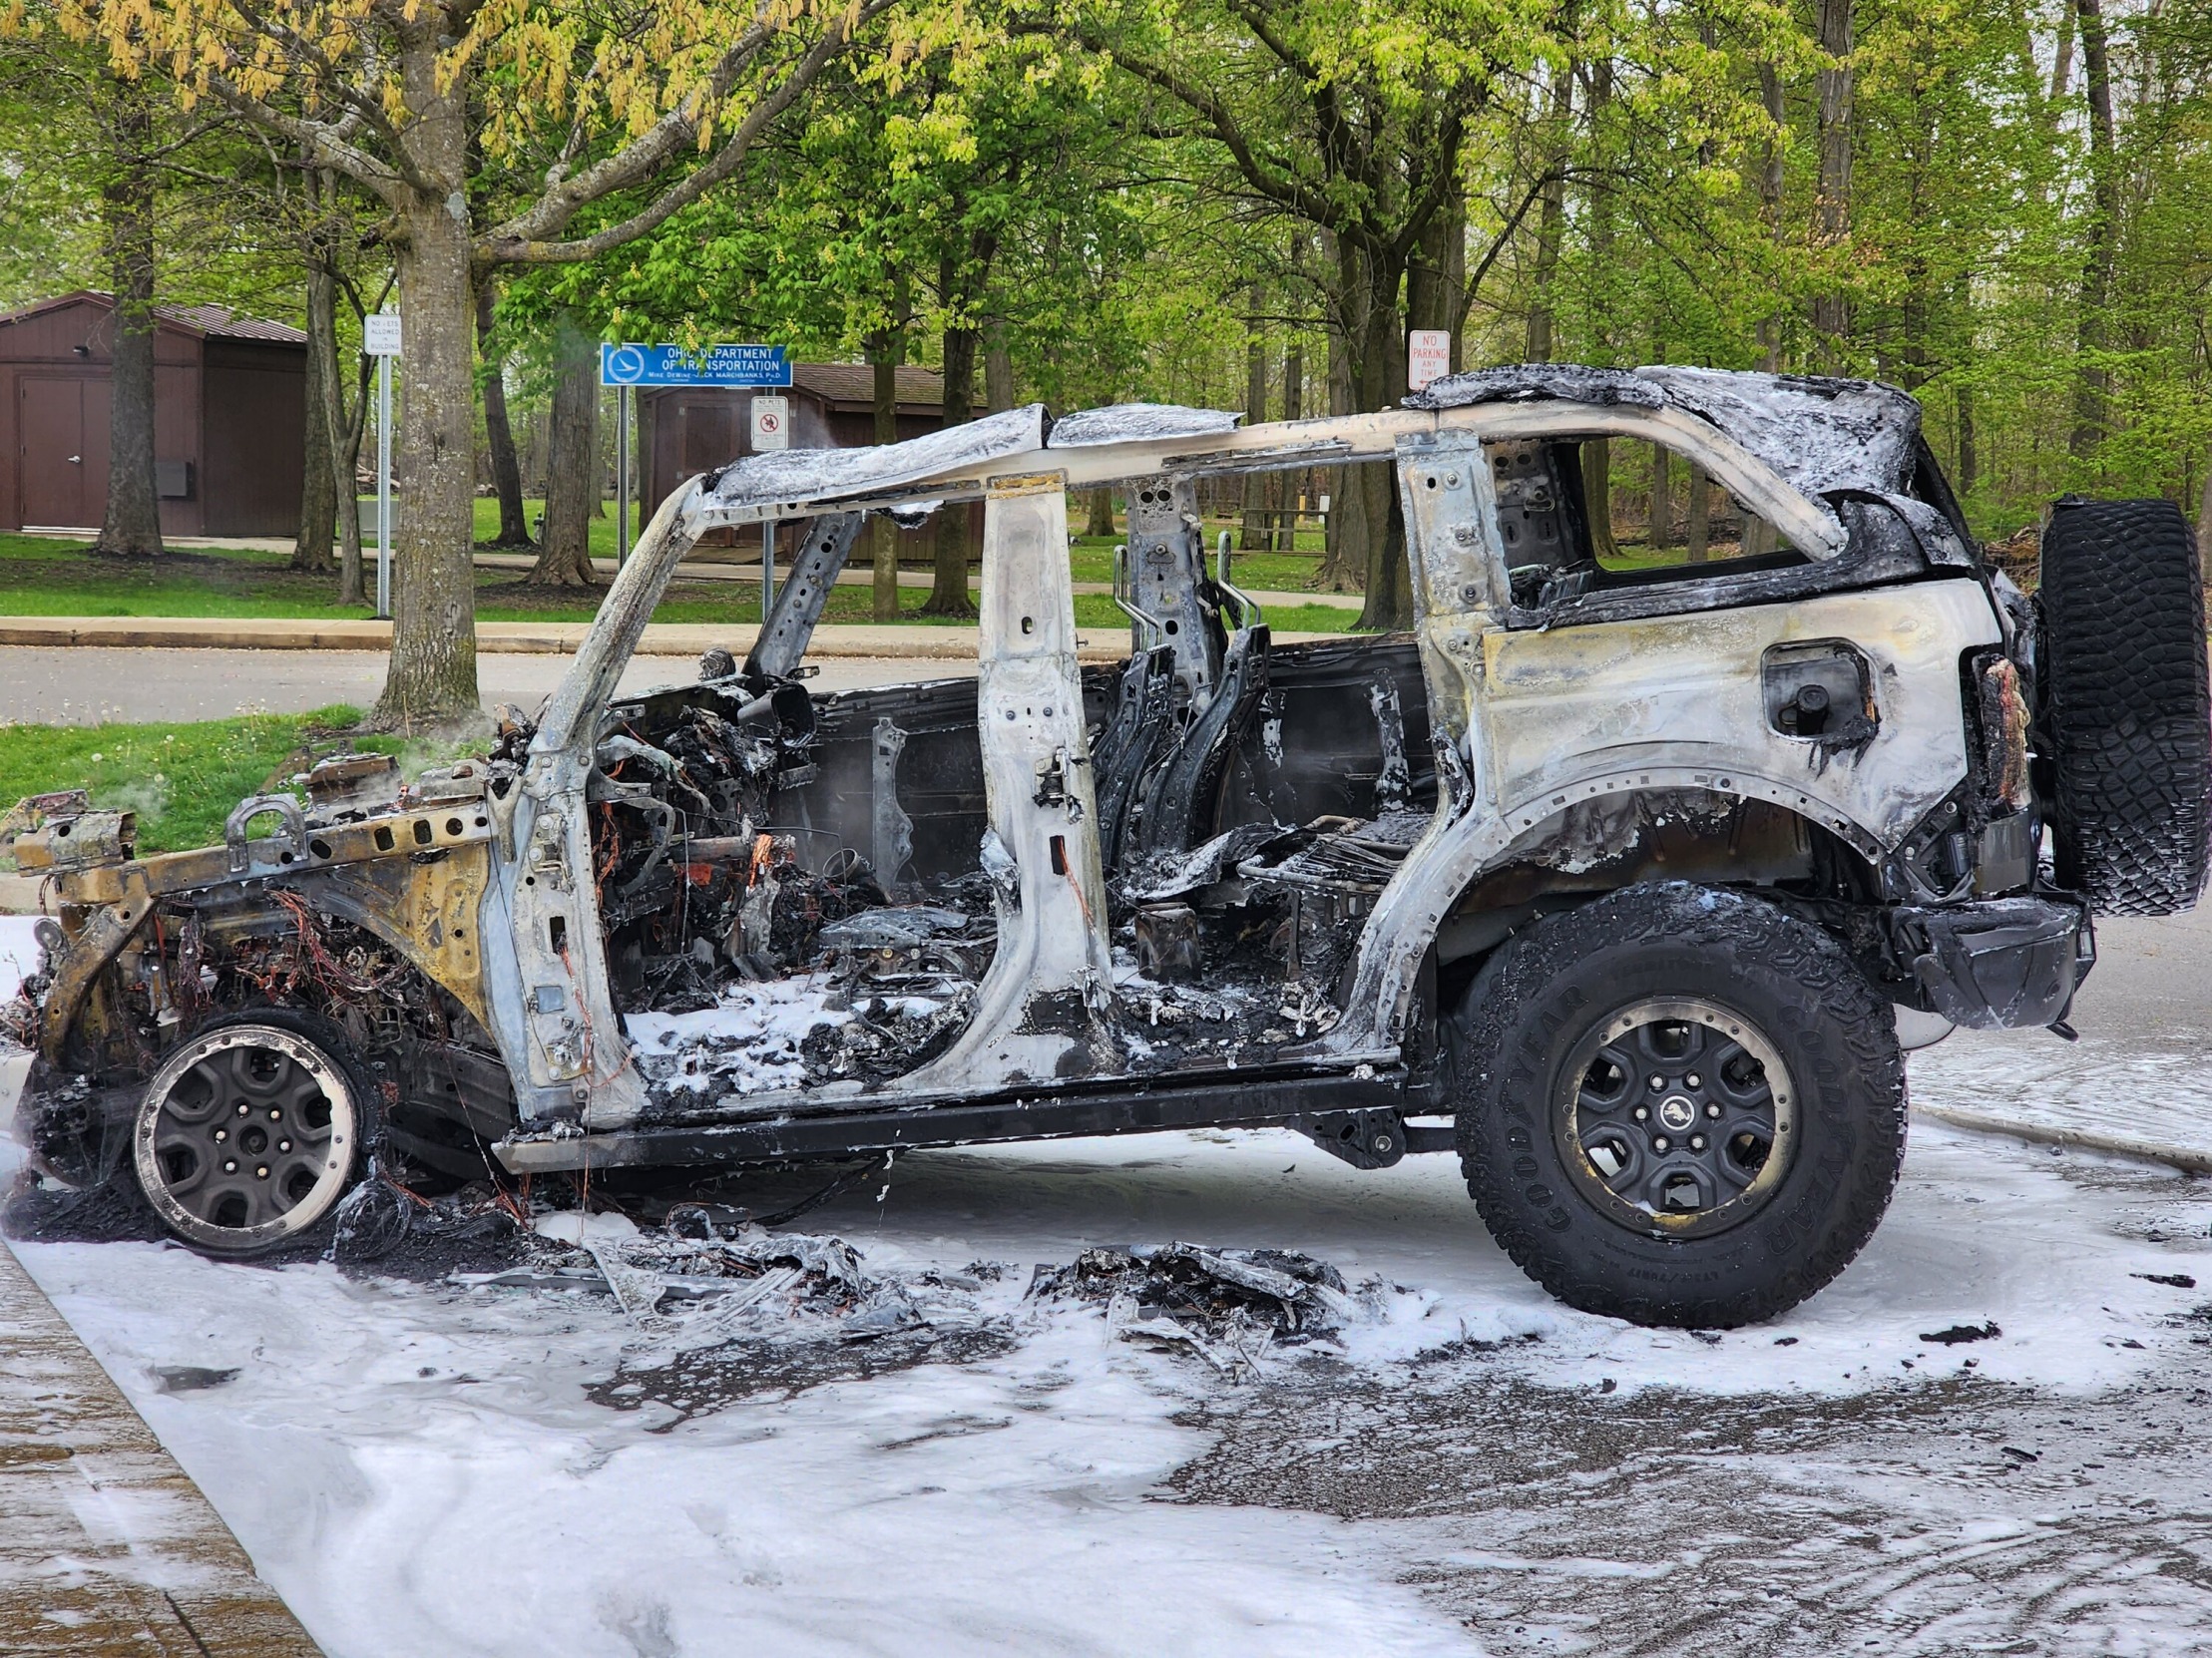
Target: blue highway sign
{"x":711,"y":365}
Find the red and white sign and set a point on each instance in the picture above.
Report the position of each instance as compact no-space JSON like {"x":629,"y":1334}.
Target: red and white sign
{"x":1428,"y":356}
{"x":772,"y":424}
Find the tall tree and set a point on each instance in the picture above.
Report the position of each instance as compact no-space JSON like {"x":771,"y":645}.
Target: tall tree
{"x":314,"y":547}
{"x":572,"y":478}
{"x":629,"y":117}
{"x":886,"y":353}
{"x":2093,"y":379}
{"x":1251,"y":531}
{"x":1832,"y":206}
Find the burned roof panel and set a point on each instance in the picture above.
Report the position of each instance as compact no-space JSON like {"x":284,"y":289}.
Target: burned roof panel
{"x":1821,"y":434}
{"x":1538,"y":382}
{"x":809,"y":475}
{"x":1140,"y":422}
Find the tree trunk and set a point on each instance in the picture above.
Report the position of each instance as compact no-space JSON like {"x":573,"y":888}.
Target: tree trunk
{"x":1251,"y":532}
{"x":2204,"y":512}
{"x":1100,"y":520}
{"x":1456,"y":300}
{"x":1598,"y":496}
{"x":572,"y":485}
{"x":131,"y":523}
{"x":499,"y":436}
{"x":948,"y":592}
{"x":885,"y":351}
{"x":1969,"y":460}
{"x":998,"y":367}
{"x":2093,"y":380}
{"x":1663,"y":497}
{"x":1770,"y":203}
{"x":1344,"y":525}
{"x":1294,"y":392}
{"x":1832,"y":203}
{"x":1437,"y":276}
{"x":1550,"y":218}
{"x":343,"y":447}
{"x":318,"y":482}
{"x":2062,"y":67}
{"x":1380,"y":381}
{"x":432,"y":678}
{"x":1701,"y":527}
{"x":1599,"y":204}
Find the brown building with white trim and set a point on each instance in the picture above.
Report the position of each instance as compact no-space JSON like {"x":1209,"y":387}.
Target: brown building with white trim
{"x":230,"y":416}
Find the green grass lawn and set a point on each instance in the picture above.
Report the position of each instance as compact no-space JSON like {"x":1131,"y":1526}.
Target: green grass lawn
{"x":182,"y":780}
{"x":42,"y":576}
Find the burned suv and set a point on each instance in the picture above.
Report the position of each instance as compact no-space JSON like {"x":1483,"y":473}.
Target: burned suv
{"x":1621,"y":877}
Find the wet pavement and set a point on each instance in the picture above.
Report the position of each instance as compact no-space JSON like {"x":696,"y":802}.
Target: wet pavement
{"x":104,"y":1545}
{"x":1960,"y":1516}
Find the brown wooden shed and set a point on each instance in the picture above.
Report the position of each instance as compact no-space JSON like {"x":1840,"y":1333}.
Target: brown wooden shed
{"x":230,"y":413}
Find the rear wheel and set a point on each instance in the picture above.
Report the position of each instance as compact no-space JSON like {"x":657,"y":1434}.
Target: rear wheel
{"x":251,"y":1131}
{"x":1678,"y":1105}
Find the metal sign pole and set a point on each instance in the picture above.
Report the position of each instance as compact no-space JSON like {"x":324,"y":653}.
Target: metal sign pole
{"x":384,"y":486}
{"x":621,"y":476}
{"x":767,"y":568}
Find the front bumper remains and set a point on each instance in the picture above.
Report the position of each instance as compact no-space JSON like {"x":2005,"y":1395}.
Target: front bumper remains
{"x":2003,"y":964}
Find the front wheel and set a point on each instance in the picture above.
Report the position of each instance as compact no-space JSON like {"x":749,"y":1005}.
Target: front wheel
{"x":251,"y":1131}
{"x":1678,"y":1105}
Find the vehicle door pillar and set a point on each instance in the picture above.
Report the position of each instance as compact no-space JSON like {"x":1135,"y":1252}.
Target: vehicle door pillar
{"x":1044,"y":1007}
{"x":1168,"y":581}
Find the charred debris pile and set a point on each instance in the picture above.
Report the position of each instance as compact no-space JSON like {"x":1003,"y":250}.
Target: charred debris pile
{"x":1227,"y":1306}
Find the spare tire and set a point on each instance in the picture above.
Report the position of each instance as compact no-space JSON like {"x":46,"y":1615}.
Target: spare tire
{"x":2126,"y":724}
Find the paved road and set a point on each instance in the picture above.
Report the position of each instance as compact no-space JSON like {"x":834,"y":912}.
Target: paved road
{"x":78,"y":686}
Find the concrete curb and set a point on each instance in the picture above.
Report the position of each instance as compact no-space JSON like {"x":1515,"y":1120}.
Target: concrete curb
{"x":919,"y":642}
{"x":2035,"y":1133}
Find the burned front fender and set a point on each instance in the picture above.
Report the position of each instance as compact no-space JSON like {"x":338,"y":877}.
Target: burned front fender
{"x":109,"y":985}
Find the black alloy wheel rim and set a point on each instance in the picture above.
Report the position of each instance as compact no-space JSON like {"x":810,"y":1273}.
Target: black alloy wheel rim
{"x":1676,"y":1117}
{"x":245,"y":1136}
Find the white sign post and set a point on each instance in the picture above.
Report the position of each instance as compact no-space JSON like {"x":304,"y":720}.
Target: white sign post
{"x":1428,"y":356}
{"x":380,"y":339}
{"x":772,"y":432}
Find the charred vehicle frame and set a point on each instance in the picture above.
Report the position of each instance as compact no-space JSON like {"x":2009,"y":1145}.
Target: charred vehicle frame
{"x":1623,"y":883}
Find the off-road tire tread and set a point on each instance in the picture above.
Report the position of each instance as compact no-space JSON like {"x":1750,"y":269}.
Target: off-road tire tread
{"x":2126,"y":710}
{"x":1866,"y":1083}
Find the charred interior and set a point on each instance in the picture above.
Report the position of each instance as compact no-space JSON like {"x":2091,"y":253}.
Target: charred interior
{"x":799,"y":891}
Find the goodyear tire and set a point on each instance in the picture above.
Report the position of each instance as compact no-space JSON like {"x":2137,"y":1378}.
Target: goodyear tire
{"x":1678,"y":1105}
{"x":2126,"y":720}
